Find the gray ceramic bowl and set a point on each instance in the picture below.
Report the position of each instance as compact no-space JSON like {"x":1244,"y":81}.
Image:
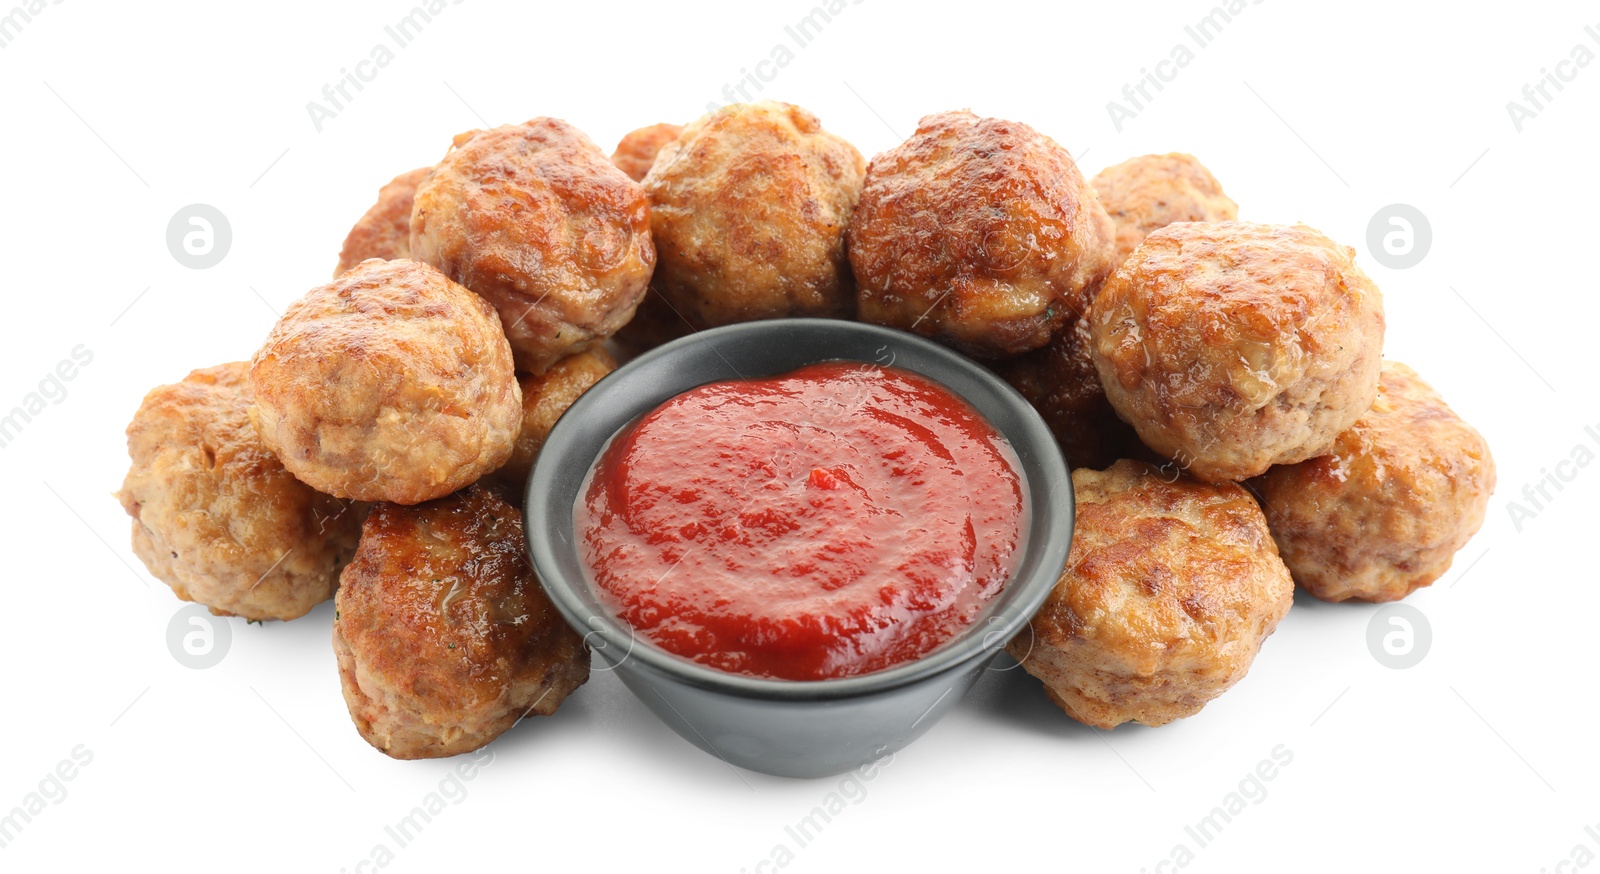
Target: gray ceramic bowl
{"x":788,"y":727}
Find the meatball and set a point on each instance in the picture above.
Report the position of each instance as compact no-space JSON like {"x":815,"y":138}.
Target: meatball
{"x":748,"y":207}
{"x":537,"y":220}
{"x":980,"y":233}
{"x":655,"y":321}
{"x":1383,"y":513}
{"x":638,"y":149}
{"x":390,"y":383}
{"x":385,"y":230}
{"x":1062,"y":384}
{"x":216,"y":517}
{"x":1169,"y":591}
{"x":1152,"y":191}
{"x":544,"y":398}
{"x":1231,"y":347}
{"x":443,"y":635}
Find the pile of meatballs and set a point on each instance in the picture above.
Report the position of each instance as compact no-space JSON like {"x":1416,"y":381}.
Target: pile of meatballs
{"x":1218,"y":387}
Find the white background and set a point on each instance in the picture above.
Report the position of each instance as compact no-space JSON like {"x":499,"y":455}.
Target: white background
{"x":117,"y":114}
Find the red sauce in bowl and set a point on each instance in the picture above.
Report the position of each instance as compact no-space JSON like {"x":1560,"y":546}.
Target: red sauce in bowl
{"x":833,"y":521}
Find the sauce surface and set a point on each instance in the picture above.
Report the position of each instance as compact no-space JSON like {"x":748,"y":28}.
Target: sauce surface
{"x":837,"y":520}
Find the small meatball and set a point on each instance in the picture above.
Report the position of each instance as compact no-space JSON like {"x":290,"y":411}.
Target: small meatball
{"x":1062,"y":384}
{"x":537,"y":220}
{"x":385,"y":231}
{"x":1231,"y":347}
{"x":1148,"y":193}
{"x":638,"y":149}
{"x":1384,"y":512}
{"x":748,"y":208}
{"x":1170,"y":589}
{"x":390,"y":383}
{"x":216,"y":517}
{"x":443,"y":635}
{"x":544,"y":398}
{"x":979,"y":233}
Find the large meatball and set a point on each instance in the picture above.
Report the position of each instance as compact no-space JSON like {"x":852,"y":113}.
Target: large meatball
{"x":1383,"y":513}
{"x":216,"y":517}
{"x":1148,"y":193}
{"x":1062,"y":384}
{"x":544,"y":398}
{"x":385,"y":230}
{"x":1169,"y":591}
{"x":748,"y":210}
{"x":390,"y":383}
{"x":1231,"y":347}
{"x":443,"y":635}
{"x":980,"y":233}
{"x":536,"y":219}
{"x":638,"y":149}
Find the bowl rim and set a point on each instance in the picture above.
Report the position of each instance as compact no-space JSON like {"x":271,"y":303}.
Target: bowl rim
{"x":1048,"y":499}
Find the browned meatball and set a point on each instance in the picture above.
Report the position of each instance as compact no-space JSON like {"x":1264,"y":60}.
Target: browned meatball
{"x":537,"y":220}
{"x":1150,"y":192}
{"x":1170,"y":589}
{"x":385,"y":230}
{"x":390,"y":383}
{"x":1231,"y":347}
{"x":748,"y":210}
{"x":1384,"y":512}
{"x":443,"y":635}
{"x":980,"y":233}
{"x":216,"y":517}
{"x":638,"y":148}
{"x":655,"y":321}
{"x":1062,"y":384}
{"x":544,"y":398}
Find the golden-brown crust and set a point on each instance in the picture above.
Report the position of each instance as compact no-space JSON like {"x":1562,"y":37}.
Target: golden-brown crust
{"x":384,"y":231}
{"x":980,"y":233}
{"x":748,"y":209}
{"x":216,"y":516}
{"x":1232,"y":346}
{"x":544,"y":398}
{"x":443,"y":634}
{"x":1384,"y":512}
{"x":390,"y":383}
{"x":1169,"y":591}
{"x":638,"y":148}
{"x":1147,"y":193}
{"x":536,"y":219}
{"x":1061,"y":383}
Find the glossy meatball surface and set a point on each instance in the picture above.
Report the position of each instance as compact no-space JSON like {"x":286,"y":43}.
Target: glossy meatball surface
{"x":748,"y":210}
{"x":980,"y":233}
{"x":1169,"y":591}
{"x":537,"y":219}
{"x":1231,"y":346}
{"x":390,"y":383}
{"x":638,"y":148}
{"x":216,"y":516}
{"x":1148,"y":193}
{"x":443,"y":635}
{"x":1384,"y":512}
{"x":384,"y":231}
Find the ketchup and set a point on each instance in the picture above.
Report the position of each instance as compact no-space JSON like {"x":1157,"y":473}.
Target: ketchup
{"x":833,"y":521}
